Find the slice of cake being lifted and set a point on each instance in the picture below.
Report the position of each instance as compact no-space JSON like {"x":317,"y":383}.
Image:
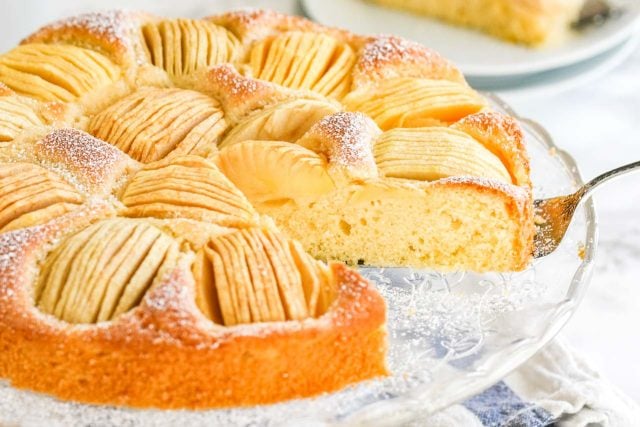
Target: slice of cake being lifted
{"x":447,"y":197}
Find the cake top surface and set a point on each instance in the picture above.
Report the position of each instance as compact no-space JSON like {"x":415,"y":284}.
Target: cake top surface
{"x":122,"y":128}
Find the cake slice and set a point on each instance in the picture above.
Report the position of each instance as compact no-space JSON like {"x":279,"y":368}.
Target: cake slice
{"x":530,"y":22}
{"x":350,"y":192}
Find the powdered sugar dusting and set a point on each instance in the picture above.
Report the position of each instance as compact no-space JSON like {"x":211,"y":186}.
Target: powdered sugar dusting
{"x":53,"y":110}
{"x":80,"y":151}
{"x":12,"y":246}
{"x":488,"y":120}
{"x":387,"y":56}
{"x":172,"y":294}
{"x":388,"y":48}
{"x":351,"y":136}
{"x":110,"y":25}
{"x":436,"y":322}
{"x":229,"y":81}
{"x":247,"y":16}
{"x":521,"y":195}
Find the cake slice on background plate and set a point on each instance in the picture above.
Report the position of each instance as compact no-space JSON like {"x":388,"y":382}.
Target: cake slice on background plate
{"x":530,"y":22}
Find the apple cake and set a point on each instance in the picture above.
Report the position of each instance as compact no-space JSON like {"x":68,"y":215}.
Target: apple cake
{"x":530,"y":22}
{"x":179,"y":197}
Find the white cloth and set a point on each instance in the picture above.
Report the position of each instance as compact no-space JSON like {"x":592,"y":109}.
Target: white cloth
{"x":556,"y":380}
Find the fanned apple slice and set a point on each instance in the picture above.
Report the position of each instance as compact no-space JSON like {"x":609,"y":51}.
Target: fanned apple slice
{"x":16,"y":115}
{"x":187,"y":187}
{"x":415,"y":102}
{"x":432,"y":153}
{"x":287,"y":121}
{"x":182,"y":46}
{"x":305,"y":60}
{"x":54,"y":72}
{"x":256,"y":275}
{"x":31,"y":195}
{"x":152,"y":123}
{"x":314,"y":274}
{"x":274,"y":171}
{"x":103,"y":271}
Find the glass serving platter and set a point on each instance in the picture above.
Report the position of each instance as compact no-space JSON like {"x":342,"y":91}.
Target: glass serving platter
{"x":450,"y":335}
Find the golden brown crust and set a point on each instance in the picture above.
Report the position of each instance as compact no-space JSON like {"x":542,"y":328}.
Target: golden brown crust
{"x":252,"y":25}
{"x":98,"y":168}
{"x":114,"y":33}
{"x":386,"y":57}
{"x":167,"y":327}
{"x":503,"y":136}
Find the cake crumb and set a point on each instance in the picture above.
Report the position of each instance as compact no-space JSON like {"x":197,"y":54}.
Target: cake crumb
{"x":582,"y":251}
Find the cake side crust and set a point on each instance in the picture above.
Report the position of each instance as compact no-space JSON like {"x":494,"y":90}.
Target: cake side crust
{"x":165,"y":353}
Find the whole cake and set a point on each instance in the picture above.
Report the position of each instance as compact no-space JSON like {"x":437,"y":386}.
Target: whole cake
{"x":530,"y":22}
{"x":167,"y":186}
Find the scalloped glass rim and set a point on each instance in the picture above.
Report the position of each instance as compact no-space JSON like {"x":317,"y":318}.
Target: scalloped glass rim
{"x":451,"y":335}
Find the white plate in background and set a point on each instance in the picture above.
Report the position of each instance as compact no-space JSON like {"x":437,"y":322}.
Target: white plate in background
{"x":562,"y":79}
{"x":477,"y":54}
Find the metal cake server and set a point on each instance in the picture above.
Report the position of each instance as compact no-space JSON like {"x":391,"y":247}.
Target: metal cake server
{"x":553,"y":216}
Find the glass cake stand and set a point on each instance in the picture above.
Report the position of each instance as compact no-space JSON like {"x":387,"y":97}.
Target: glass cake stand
{"x":450,"y":335}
